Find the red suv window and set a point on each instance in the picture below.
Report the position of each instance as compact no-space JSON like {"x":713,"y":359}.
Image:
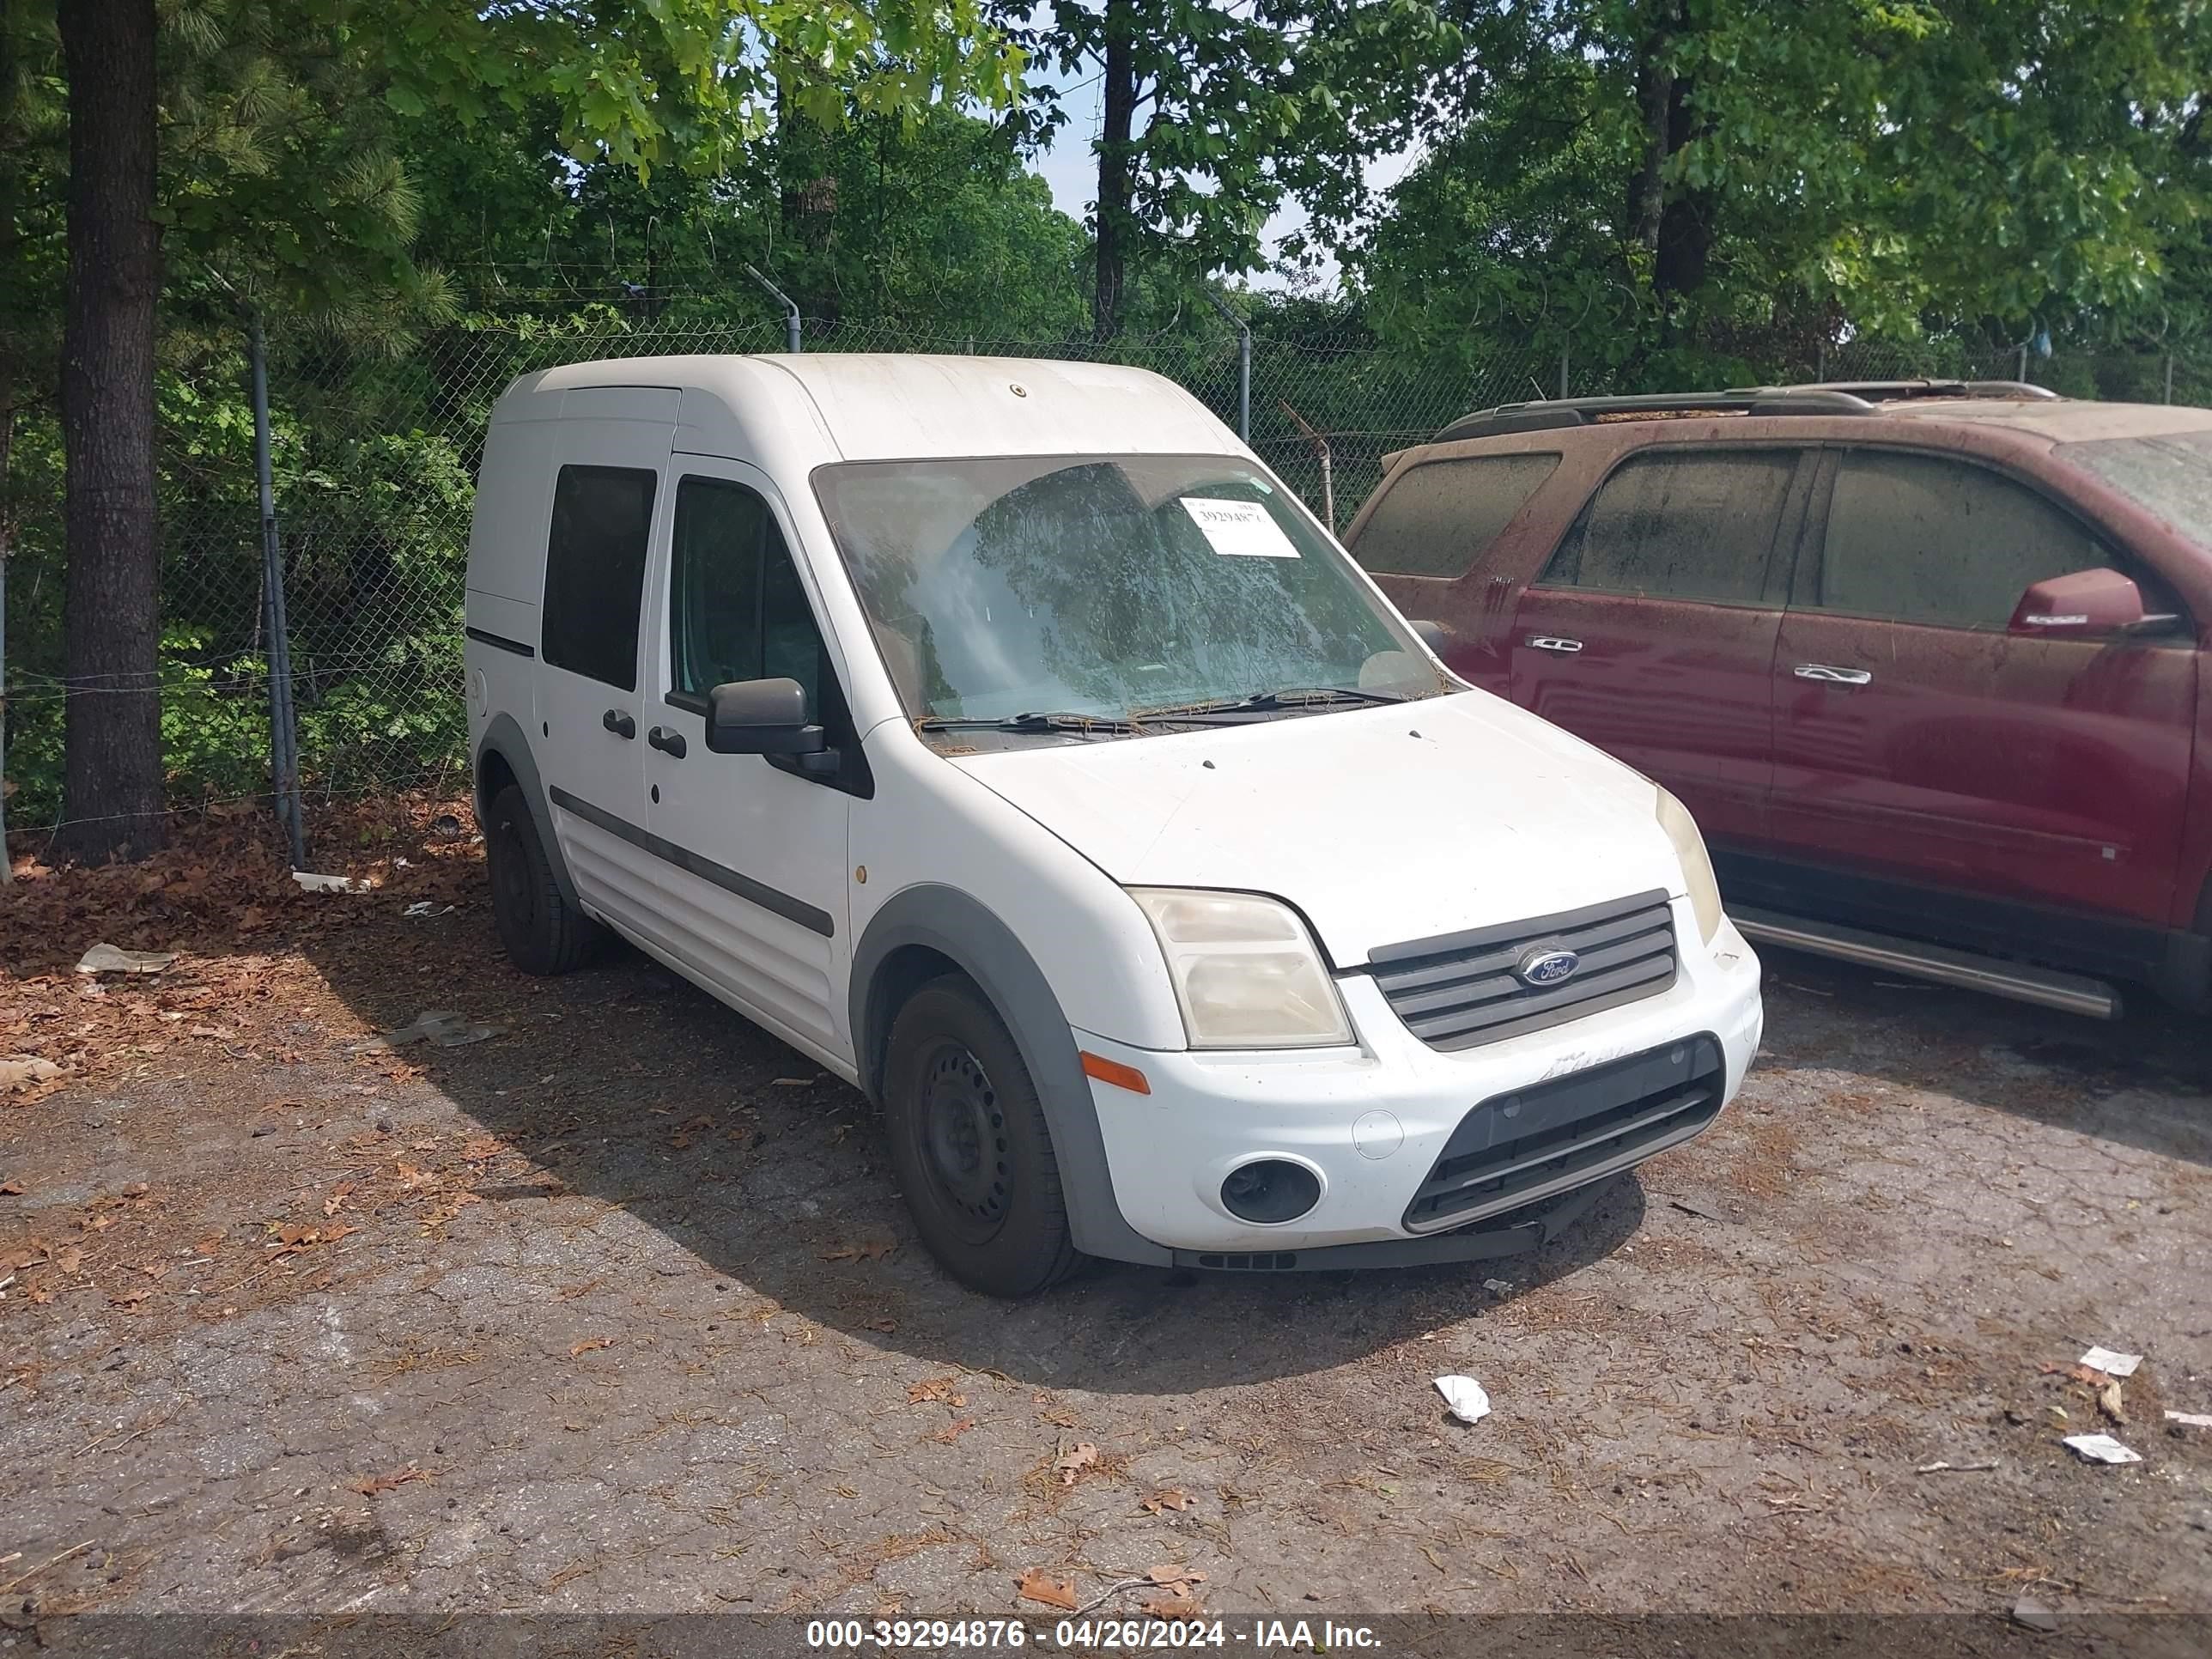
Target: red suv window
{"x":1924,"y":538}
{"x":1688,"y":525}
{"x":1438,"y":518}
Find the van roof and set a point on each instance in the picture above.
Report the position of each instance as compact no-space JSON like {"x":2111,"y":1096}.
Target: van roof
{"x":896,"y":405}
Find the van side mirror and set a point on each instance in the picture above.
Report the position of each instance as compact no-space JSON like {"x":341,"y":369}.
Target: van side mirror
{"x":761,"y":717}
{"x":2086,"y":605}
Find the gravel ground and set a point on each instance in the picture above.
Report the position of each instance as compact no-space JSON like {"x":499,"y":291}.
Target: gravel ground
{"x":617,"y":1310}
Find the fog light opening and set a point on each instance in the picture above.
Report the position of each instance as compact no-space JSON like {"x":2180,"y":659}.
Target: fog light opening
{"x":1273,"y":1189}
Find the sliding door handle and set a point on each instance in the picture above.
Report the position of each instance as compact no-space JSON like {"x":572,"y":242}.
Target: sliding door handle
{"x":1553,"y":642}
{"x":619,"y":723}
{"x":1826,"y":674}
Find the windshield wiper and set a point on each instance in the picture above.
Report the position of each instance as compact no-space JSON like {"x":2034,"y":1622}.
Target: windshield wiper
{"x":1030,"y":722}
{"x":1287,"y":697}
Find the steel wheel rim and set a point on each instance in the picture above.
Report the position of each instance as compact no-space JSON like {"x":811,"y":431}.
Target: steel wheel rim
{"x":961,"y":1125}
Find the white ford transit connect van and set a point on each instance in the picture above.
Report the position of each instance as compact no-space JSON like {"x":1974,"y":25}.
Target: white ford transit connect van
{"x":1004,"y":736}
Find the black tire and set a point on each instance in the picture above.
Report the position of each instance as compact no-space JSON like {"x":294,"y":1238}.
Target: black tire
{"x":970,"y":1146}
{"x":541,"y":931}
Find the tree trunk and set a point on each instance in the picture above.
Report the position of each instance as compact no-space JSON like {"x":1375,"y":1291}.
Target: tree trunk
{"x":1654,"y":96}
{"x":112,"y":787}
{"x":1116,"y":171}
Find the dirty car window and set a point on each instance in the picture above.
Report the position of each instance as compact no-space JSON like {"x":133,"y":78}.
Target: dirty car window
{"x":1105,"y":586}
{"x":2171,"y":474}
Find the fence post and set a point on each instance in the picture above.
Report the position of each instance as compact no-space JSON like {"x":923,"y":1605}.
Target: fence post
{"x":1563,"y":368}
{"x":283,"y":735}
{"x":791,"y":341}
{"x":1243,"y":364}
{"x":2169,"y":377}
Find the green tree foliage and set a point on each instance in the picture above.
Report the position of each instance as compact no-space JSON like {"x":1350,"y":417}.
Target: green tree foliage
{"x":1719,"y":179}
{"x":1214,"y":114}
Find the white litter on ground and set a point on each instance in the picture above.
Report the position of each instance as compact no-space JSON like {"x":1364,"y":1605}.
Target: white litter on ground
{"x":2110,"y":1361}
{"x":318,"y":883}
{"x":1465,"y":1396}
{"x":2102,"y":1449}
{"x":106,"y":958}
{"x":2193,"y":1420}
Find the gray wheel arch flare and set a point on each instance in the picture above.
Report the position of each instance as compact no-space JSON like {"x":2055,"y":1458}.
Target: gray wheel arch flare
{"x":504,"y":738}
{"x":954,"y":926}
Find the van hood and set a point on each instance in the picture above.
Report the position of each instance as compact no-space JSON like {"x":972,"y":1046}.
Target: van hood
{"x":1384,"y":825}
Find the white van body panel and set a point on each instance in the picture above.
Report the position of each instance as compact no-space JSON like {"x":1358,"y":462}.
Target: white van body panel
{"x":931,"y":824}
{"x":1379,"y":825}
{"x":1513,"y":818}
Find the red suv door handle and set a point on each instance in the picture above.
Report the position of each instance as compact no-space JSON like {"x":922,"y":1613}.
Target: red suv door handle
{"x":1553,"y":642}
{"x":1828,"y":676}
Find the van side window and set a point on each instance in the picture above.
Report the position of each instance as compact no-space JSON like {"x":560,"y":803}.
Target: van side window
{"x":1441,"y":516}
{"x":1690,"y":525}
{"x":1924,"y":538}
{"x":595,"y":572}
{"x":736,"y":611}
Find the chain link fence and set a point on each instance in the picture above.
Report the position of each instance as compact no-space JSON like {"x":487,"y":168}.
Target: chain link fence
{"x":375,"y":454}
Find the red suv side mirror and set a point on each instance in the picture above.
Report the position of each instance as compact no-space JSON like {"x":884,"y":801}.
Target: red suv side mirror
{"x":2085,"y":605}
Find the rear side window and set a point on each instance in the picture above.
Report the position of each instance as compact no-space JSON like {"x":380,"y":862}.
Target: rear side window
{"x":1440,"y":516}
{"x":1922,"y":538}
{"x":595,"y":572}
{"x":1679,"y":525}
{"x":737,"y":611}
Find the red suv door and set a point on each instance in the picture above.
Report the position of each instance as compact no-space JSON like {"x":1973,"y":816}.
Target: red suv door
{"x":1916,"y":738}
{"x":1651,"y":631}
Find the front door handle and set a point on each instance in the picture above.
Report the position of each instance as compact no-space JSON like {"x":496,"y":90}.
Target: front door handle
{"x":1827,"y":675}
{"x":1553,"y":642}
{"x":669,"y":743}
{"x":619,"y":723}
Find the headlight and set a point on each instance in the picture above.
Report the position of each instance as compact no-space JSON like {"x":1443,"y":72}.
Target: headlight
{"x":1245,"y":970}
{"x":1697,"y":866}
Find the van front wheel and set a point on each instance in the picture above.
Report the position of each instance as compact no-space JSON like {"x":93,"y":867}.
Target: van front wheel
{"x":541,"y":931}
{"x":970,"y":1146}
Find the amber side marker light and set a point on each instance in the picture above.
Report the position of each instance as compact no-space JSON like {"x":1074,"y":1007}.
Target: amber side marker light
{"x":1113,"y":1072}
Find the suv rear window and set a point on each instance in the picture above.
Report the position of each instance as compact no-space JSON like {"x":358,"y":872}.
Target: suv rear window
{"x":595,"y":572}
{"x":1694,"y":524}
{"x":1441,"y":515}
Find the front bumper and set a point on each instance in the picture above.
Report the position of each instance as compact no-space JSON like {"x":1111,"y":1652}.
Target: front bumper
{"x":1371,"y":1122}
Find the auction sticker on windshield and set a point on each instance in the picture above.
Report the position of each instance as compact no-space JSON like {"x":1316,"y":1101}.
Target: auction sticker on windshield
{"x":1241,"y":529}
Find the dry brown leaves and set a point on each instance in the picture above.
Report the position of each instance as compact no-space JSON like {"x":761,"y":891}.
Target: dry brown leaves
{"x":222,"y":895}
{"x":936,"y":1388}
{"x":1177,"y":1597}
{"x":369,"y":1485}
{"x":1167,"y":1497}
{"x":868,"y":1249}
{"x":1079,"y":1459}
{"x":1039,"y":1586}
{"x":588,"y":1344}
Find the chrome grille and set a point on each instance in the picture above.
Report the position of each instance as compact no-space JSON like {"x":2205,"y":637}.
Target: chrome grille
{"x":1461,"y":989}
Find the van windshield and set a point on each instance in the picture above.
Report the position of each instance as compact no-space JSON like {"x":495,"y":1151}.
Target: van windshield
{"x":2170,"y":473}
{"x":1109,"y":588}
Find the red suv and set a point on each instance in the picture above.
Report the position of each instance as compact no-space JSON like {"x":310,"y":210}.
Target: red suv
{"x":1927,"y":661}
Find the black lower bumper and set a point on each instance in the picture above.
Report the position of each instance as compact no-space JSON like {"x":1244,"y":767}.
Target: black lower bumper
{"x":1512,"y":1234}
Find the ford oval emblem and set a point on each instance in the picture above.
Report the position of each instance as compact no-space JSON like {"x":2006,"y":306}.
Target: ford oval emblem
{"x":1539,"y":966}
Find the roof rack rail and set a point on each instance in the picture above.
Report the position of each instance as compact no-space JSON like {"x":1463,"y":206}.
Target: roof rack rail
{"x":1554,"y":412}
{"x":1904,"y":391}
